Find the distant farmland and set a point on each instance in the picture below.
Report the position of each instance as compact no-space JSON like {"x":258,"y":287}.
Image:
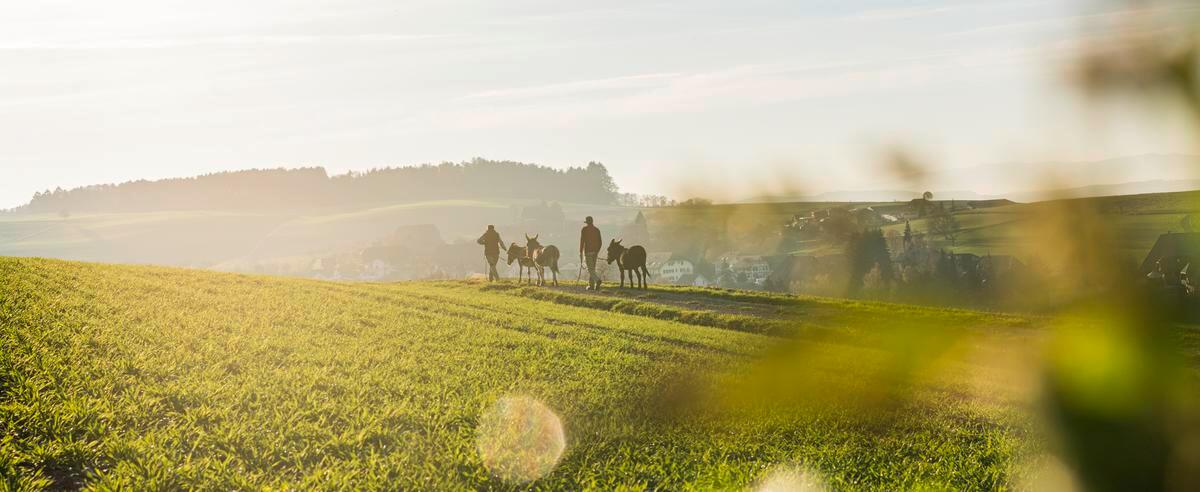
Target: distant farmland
{"x":167,"y":378}
{"x":1136,"y":221}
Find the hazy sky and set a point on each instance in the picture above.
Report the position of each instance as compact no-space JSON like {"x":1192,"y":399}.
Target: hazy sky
{"x":669,"y":94}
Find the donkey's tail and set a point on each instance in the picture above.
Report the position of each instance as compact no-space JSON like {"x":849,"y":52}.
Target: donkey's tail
{"x":645,"y":271}
{"x":554,"y":256}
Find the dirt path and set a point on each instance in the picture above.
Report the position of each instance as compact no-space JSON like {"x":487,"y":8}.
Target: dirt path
{"x":683,"y":300}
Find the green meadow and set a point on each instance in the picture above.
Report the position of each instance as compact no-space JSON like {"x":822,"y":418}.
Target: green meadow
{"x":1135,"y":221}
{"x":161,"y":379}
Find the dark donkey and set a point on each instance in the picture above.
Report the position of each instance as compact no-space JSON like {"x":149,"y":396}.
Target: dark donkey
{"x":633,"y":259}
{"x":518,"y":254}
{"x":543,"y":257}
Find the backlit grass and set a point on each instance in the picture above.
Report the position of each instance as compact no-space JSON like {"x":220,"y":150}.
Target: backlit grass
{"x":167,"y":378}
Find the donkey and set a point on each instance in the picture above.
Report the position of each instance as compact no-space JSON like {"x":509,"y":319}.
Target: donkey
{"x":632,"y":259}
{"x":518,"y":254}
{"x":543,"y":257}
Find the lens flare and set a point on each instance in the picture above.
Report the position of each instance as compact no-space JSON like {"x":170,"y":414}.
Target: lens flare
{"x":1047,"y":473}
{"x":520,"y":439}
{"x":790,"y":479}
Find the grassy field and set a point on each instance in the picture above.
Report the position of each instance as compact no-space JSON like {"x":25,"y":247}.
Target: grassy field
{"x":1136,"y":220}
{"x":234,"y":241}
{"x":167,"y":378}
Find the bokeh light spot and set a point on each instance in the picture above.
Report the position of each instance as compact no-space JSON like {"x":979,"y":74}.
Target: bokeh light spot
{"x":520,"y":439}
{"x":790,"y":479}
{"x":1047,"y":473}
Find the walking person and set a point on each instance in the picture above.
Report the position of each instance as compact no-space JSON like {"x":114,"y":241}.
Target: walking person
{"x":589,"y":249}
{"x":492,"y":244}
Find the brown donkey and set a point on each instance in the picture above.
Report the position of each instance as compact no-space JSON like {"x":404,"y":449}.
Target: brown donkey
{"x":632,"y":259}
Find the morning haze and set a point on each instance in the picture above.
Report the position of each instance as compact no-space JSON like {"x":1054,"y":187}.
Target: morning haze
{"x":660,"y":93}
{"x":702,"y":245}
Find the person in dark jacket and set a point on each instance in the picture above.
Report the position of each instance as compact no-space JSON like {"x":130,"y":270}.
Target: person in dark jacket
{"x":589,"y":249}
{"x":492,"y":244}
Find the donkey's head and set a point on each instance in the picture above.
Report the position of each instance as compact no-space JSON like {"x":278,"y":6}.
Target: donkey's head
{"x":515,"y":253}
{"x":532,"y":244}
{"x":615,"y":250}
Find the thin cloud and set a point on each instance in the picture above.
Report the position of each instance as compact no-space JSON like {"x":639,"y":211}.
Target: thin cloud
{"x":734,"y":87}
{"x":578,"y":87}
{"x":900,"y":13}
{"x":238,"y":40}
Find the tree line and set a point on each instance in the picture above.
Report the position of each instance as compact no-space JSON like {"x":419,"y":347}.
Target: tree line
{"x":308,"y":187}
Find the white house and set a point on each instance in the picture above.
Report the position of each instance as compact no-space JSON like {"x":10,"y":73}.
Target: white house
{"x":674,"y":269}
{"x":666,"y":267}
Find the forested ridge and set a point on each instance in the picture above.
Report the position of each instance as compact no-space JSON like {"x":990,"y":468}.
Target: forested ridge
{"x":308,"y":187}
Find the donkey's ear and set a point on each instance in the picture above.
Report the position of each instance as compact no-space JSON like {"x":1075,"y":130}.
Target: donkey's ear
{"x":535,"y":236}
{"x":526,"y":236}
{"x":619,"y":240}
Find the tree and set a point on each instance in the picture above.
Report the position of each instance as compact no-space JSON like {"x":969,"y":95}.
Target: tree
{"x":602,"y":183}
{"x":945,"y":225}
{"x":928,"y":195}
{"x":696,"y":202}
{"x":867,"y":252}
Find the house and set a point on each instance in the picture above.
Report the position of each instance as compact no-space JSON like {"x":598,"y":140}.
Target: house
{"x":676,"y":268}
{"x":669,"y":268}
{"x":1171,"y":247}
{"x":754,"y":269}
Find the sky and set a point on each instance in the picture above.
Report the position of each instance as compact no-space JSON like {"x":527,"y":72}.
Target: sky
{"x":675,"y":97}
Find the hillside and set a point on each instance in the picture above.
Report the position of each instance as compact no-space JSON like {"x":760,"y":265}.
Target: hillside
{"x":232,"y":240}
{"x":169,"y":378}
{"x":308,"y":189}
{"x":1136,"y":222}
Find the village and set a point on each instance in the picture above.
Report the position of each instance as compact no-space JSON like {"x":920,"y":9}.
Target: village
{"x":852,"y":256}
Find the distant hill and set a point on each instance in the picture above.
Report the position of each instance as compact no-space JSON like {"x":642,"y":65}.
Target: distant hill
{"x":1030,"y":181}
{"x":1120,"y":189}
{"x":309,"y":188}
{"x":868,"y":196}
{"x":1092,"y":191}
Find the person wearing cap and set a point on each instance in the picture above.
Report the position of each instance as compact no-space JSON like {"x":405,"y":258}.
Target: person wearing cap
{"x":589,"y":249}
{"x":492,"y":244}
